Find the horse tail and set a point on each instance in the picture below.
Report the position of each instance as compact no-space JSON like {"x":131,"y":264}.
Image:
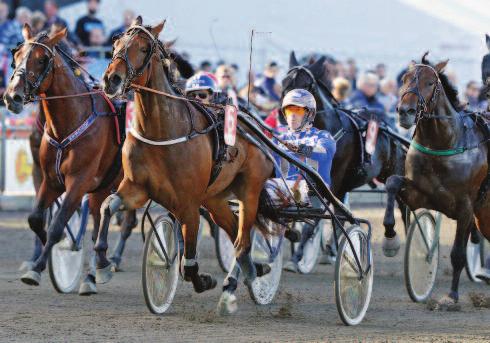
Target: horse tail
{"x":268,"y":213}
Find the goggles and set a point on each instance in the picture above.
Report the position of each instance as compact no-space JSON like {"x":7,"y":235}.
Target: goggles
{"x":297,"y":110}
{"x":200,"y":95}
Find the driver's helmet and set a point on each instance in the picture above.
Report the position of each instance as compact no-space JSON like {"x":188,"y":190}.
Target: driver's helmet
{"x":201,"y":81}
{"x":301,"y":98}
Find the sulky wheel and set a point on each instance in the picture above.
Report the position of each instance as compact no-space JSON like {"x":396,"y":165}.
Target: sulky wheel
{"x":421,"y":257}
{"x":352,"y":288}
{"x":66,"y":259}
{"x":160,"y":274}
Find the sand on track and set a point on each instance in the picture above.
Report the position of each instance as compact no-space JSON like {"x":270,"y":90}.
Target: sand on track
{"x":303,"y":310}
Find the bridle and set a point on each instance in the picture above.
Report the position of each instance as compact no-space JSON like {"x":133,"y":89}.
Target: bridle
{"x":425,"y":108}
{"x":31,"y":88}
{"x":122,"y":54}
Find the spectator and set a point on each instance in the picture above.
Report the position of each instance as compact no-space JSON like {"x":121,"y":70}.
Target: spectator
{"x":381,"y":70}
{"x":38,"y":22}
{"x":387,"y":94}
{"x":365,"y":94}
{"x":96,"y":40}
{"x":23,"y":16}
{"x":341,"y":89}
{"x":88,"y":22}
{"x":268,"y":83}
{"x":351,"y":72}
{"x":471,"y":97}
{"x":257,"y":96}
{"x":128,"y":17}
{"x":226,"y":79}
{"x":10,"y":33}
{"x":205,"y":66}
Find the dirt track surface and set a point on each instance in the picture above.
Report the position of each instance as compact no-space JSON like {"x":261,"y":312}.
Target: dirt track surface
{"x":304,"y":309}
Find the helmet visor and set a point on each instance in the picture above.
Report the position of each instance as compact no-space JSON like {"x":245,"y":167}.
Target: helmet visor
{"x":292,"y":109}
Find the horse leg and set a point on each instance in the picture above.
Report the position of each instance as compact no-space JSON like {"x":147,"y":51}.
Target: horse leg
{"x":128,"y":224}
{"x":189,"y":218}
{"x":55,"y":231}
{"x":458,"y":257}
{"x":391,"y":241}
{"x":225,"y":218}
{"x":129,"y":196}
{"x":88,"y":287}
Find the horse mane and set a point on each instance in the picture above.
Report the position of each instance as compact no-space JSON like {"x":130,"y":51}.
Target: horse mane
{"x":450,"y":90}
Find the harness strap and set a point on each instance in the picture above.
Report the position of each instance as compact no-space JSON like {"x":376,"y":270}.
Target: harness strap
{"x":448,"y":152}
{"x":60,"y":146}
{"x":182,"y":139}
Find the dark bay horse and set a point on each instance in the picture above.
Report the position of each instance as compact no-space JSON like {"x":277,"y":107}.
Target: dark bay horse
{"x":168,"y":157}
{"x":447,"y":164}
{"x":485,"y":72}
{"x":348,"y":170}
{"x":75,"y":156}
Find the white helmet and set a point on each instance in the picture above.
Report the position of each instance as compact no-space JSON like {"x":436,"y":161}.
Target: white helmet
{"x":302,"y":98}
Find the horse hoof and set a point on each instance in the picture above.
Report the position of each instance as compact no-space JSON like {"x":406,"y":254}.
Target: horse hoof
{"x":26,"y":265}
{"x":391,"y":246}
{"x":87,"y":288}
{"x":31,"y":278}
{"x":227,"y":304}
{"x":207,"y":283}
{"x":103,"y":275}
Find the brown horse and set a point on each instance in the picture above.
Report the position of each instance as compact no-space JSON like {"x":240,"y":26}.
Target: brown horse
{"x":168,"y":157}
{"x":75,"y":156}
{"x":447,"y":164}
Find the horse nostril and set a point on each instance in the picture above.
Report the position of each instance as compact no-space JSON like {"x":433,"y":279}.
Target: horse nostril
{"x":17,"y":98}
{"x":115,"y":80}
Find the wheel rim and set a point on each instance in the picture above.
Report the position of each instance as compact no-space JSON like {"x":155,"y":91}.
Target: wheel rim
{"x":421,"y":271}
{"x":226,"y":249}
{"x":264,"y":288}
{"x":354,"y":293}
{"x":66,"y":263}
{"x":311,"y":250}
{"x":161,"y":275}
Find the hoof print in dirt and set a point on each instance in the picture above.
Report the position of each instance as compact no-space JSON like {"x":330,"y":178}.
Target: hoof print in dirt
{"x":479,"y":300}
{"x":443,"y":304}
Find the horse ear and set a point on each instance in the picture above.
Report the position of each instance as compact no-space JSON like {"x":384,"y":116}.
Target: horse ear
{"x":57,"y":36}
{"x":168,"y":45}
{"x":158,"y":28}
{"x":424,"y":59}
{"x":27,"y":32}
{"x":293,"y":62}
{"x":317,"y":68}
{"x":138,"y":21}
{"x":439,"y":67}
{"x":487,"y":39}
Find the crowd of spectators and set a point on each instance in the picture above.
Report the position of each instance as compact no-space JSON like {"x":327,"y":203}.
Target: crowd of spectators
{"x":372,"y":89}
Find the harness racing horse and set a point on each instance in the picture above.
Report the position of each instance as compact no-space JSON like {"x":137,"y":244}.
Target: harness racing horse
{"x":447,"y":164}
{"x":485,"y":72}
{"x":168,"y":157}
{"x":349,"y":170}
{"x":80,"y":142}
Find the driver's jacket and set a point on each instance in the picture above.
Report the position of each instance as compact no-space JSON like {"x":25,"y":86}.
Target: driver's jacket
{"x":316,"y":148}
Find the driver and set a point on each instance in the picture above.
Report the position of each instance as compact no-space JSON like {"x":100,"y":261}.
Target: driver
{"x":202,"y":87}
{"x":313,"y":146}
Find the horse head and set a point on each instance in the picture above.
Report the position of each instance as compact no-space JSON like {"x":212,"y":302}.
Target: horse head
{"x":33,"y":63}
{"x":420,"y":91}
{"x":134,"y":53}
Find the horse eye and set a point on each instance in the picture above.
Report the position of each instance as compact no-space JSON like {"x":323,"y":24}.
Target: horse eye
{"x":144,"y":49}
